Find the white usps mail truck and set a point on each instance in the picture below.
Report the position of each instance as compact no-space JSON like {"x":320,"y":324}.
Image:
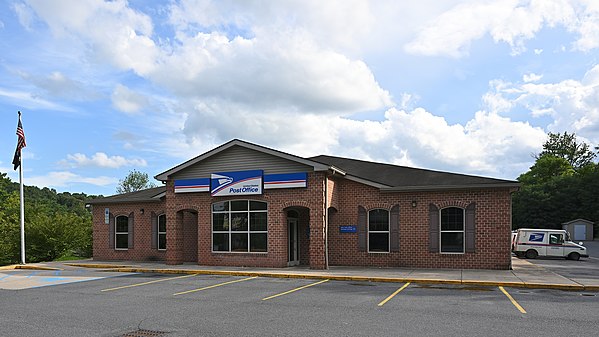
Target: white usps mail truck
{"x":531,"y":242}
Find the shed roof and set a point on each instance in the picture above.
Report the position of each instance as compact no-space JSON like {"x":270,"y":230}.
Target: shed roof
{"x":577,"y":220}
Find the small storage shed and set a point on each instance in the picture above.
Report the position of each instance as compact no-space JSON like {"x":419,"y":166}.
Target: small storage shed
{"x":579,"y":229}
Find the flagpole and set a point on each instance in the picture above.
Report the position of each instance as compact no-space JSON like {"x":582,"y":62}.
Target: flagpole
{"x":22,"y":207}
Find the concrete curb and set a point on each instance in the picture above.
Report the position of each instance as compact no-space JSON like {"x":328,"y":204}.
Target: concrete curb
{"x":98,"y":265}
{"x":131,"y":269}
{"x":27,"y":266}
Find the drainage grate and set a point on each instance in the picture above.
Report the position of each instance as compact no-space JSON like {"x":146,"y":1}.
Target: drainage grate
{"x":144,"y":333}
{"x":585,"y":294}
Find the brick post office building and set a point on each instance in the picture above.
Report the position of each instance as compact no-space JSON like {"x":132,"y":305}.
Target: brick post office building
{"x":243,"y":204}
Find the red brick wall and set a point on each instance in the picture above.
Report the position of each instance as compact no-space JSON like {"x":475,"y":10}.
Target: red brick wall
{"x":189,"y":227}
{"x":493,"y":226}
{"x":278,"y":202}
{"x":142,"y":233}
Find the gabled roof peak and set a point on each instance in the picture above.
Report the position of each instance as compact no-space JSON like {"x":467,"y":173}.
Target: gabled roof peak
{"x":238,"y":142}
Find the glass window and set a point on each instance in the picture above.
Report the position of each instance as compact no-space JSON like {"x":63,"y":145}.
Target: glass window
{"x":220,"y":242}
{"x":239,"y":226}
{"x":378,"y":231}
{"x":452,"y":230}
{"x":121,"y":232}
{"x":239,"y":221}
{"x":556,"y":239}
{"x":162,"y":232}
{"x":258,"y":221}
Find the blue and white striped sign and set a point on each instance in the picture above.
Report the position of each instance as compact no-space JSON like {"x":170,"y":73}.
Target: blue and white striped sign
{"x":192,"y":185}
{"x":286,"y":180}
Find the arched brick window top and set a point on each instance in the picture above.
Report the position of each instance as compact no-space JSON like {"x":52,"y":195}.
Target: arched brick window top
{"x":296,"y":203}
{"x":453,"y":203}
{"x":186,"y":208}
{"x":380,"y":205}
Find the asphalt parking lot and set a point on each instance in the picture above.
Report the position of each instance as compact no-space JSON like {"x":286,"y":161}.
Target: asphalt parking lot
{"x":585,"y":268}
{"x":210,"y":305}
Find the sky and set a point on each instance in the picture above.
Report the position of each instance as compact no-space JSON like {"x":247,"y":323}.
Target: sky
{"x":473,"y":87}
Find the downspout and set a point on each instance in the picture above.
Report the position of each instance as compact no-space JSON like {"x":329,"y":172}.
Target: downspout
{"x":326,"y":221}
{"x":511,"y":267}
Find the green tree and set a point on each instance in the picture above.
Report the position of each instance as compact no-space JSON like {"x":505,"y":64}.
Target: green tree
{"x":546,"y":167}
{"x":134,"y":181}
{"x":559,"y":187}
{"x":566,"y":146}
{"x":55,"y":224}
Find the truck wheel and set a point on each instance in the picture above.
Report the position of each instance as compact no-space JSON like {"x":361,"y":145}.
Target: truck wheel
{"x":531,"y":254}
{"x":574,"y":256}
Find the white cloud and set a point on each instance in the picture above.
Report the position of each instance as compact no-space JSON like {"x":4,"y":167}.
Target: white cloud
{"x":532,"y":77}
{"x":66,"y":178}
{"x":114,"y":31}
{"x":24,"y":14}
{"x":572,"y":104}
{"x":127,"y":100}
{"x":587,"y":26}
{"x":488,"y":144}
{"x":290,"y":77}
{"x":271,"y":71}
{"x":509,"y":21}
{"x":58,"y":85}
{"x":101,"y":159}
{"x":297,"y":64}
{"x":27,"y":100}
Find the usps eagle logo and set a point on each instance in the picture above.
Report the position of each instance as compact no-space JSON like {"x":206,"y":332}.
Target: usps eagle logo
{"x":222,"y":181}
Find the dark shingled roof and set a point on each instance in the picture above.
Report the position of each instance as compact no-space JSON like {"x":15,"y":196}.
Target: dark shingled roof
{"x":149,"y":195}
{"x":387,"y":177}
{"x":402,"y":178}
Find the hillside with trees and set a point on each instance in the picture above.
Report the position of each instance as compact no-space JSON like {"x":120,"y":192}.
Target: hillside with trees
{"x":562,"y":185}
{"x":56,"y":224}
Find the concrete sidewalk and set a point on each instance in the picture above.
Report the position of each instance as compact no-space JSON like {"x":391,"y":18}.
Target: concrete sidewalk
{"x":524,"y":274}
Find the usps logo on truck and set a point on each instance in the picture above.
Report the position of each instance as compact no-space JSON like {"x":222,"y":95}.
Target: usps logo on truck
{"x":536,"y":237}
{"x":236,"y":183}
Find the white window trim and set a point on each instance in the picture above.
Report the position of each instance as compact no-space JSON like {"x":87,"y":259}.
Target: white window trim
{"x":463,"y":231}
{"x":158,"y":232}
{"x":388,"y":231}
{"x":230,"y":232}
{"x":117,"y":233}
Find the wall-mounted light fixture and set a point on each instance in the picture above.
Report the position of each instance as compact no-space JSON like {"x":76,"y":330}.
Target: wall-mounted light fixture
{"x":414,"y":203}
{"x":141,"y":211}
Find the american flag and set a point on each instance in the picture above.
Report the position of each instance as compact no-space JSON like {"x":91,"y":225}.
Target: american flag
{"x":16,"y":161}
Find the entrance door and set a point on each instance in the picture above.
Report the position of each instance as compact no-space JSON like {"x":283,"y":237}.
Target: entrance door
{"x":293,"y":242}
{"x":556,"y":245}
{"x":580,"y":232}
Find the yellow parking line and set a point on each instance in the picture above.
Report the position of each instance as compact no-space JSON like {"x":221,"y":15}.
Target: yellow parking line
{"x":149,"y":282}
{"x":393,"y":295}
{"x":214,"y":286}
{"x":294,"y":290}
{"x":518,"y":306}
